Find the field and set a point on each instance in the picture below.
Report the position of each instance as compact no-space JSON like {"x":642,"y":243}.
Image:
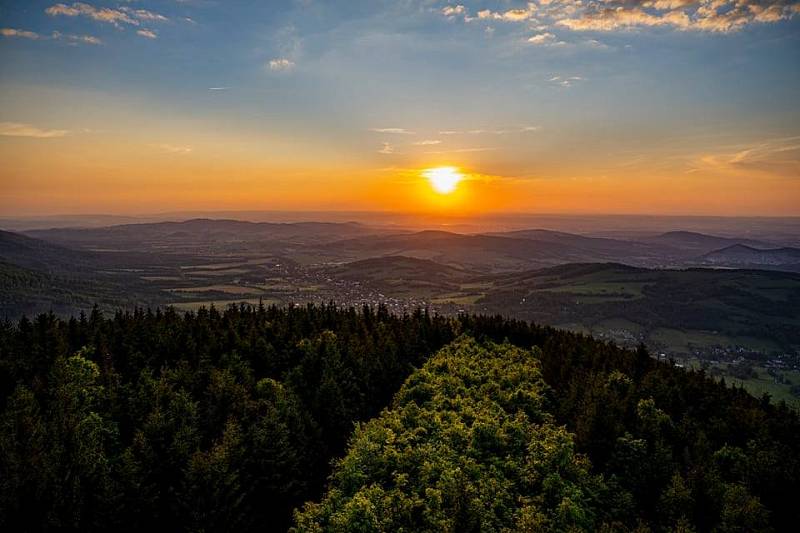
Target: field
{"x":758,"y":385}
{"x":714,"y":315}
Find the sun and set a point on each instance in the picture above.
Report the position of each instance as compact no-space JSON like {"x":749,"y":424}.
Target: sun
{"x":443,"y":179}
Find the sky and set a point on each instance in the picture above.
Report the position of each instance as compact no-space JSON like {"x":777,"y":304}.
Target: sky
{"x":550,"y":106}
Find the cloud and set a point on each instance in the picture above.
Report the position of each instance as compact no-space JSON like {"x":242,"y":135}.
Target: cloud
{"x":762,"y":151}
{"x":427,"y":142}
{"x":149,"y":34}
{"x":668,"y":4}
{"x":545,"y":39}
{"x":386,"y":149}
{"x":502,"y":131}
{"x":720,"y":16}
{"x":17,"y":129}
{"x":689,"y":15}
{"x":511,"y":15}
{"x":280,"y":64}
{"x":143,"y":14}
{"x":453,"y":11}
{"x":103,"y":14}
{"x":218,"y":88}
{"x":24,"y":34}
{"x":116,"y":17}
{"x":462,"y":150}
{"x":55,"y":36}
{"x":393,"y":131}
{"x":769,"y":157}
{"x":173,"y":149}
{"x":565,"y":81}
{"x":76,"y":39}
{"x":609,"y":19}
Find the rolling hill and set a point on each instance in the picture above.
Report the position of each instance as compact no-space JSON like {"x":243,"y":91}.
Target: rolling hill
{"x":598,"y":247}
{"x":740,"y":255}
{"x":482,"y":253}
{"x":37,"y":254}
{"x":700,"y":243}
{"x":199,"y":234}
{"x":757,"y":310}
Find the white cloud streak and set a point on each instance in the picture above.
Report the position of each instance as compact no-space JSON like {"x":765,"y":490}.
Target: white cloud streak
{"x":173,"y":149}
{"x":280,"y":64}
{"x":392,"y":131}
{"x":18,"y":129}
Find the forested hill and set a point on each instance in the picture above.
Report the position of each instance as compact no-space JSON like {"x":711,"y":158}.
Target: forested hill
{"x":217,"y":421}
{"x":468,"y":446}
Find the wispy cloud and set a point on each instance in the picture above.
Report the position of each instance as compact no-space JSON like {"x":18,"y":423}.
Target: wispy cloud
{"x":148,"y":34}
{"x":218,"y":88}
{"x":116,"y":17}
{"x":769,"y":158}
{"x":173,"y":149}
{"x":103,"y":14}
{"x":143,"y":14}
{"x":24,"y":34}
{"x":76,"y":39}
{"x":393,"y":131}
{"x":55,"y":36}
{"x":386,"y":149}
{"x":18,"y":129}
{"x":454,"y":11}
{"x":720,"y":16}
{"x":280,"y":64}
{"x":501,"y":131}
{"x":786,"y":148}
{"x":568,"y":81}
{"x":542,"y":38}
{"x":427,"y":142}
{"x":510,"y":15}
{"x":462,"y":150}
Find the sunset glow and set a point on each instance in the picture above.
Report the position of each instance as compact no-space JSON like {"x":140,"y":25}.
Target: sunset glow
{"x":444,"y":180}
{"x":106,"y":108}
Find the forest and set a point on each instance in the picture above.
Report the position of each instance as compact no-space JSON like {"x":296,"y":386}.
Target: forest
{"x":240,"y":419}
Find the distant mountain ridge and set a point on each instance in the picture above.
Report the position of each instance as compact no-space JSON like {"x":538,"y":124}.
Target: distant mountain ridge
{"x":39,"y":255}
{"x":346,"y":242}
{"x":701,"y":242}
{"x":136,"y":236}
{"x":740,"y":254}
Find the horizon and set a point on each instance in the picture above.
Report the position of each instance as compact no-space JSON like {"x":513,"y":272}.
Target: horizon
{"x":433,"y":107}
{"x":184,"y":212}
{"x":778,"y":230}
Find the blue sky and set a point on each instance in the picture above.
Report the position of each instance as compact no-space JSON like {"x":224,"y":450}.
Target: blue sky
{"x":516,"y":91}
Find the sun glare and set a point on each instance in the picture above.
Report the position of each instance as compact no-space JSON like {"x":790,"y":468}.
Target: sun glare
{"x":443,"y":179}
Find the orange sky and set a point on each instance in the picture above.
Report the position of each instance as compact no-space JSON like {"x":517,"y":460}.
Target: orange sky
{"x":128,"y":176}
{"x":307,"y":106}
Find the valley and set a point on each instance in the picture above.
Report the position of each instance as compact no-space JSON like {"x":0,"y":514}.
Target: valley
{"x":678,"y":293}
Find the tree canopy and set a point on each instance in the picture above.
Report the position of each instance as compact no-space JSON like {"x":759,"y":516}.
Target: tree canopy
{"x":229,"y":420}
